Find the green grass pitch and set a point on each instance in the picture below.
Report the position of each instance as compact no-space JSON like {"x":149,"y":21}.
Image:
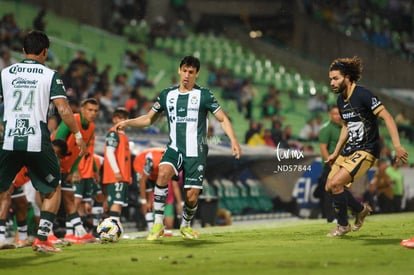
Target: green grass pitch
{"x":269,"y":247}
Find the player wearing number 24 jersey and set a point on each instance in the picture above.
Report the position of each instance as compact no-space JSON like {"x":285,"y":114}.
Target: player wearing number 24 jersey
{"x":27,"y":88}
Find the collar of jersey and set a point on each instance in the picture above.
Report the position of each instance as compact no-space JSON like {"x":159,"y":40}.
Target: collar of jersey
{"x":353,"y":85}
{"x":30,"y":61}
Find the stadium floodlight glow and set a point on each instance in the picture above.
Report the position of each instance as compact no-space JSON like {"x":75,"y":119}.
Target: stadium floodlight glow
{"x":255,"y":34}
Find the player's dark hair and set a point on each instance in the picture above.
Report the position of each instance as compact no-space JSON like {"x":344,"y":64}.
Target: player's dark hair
{"x":35,"y":42}
{"x":90,"y":100}
{"x":351,"y":67}
{"x":190,"y":61}
{"x":63,"y":147}
{"x":120,"y":112}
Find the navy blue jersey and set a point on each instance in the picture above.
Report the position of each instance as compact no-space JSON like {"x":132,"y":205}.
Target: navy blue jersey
{"x":360,"y":115}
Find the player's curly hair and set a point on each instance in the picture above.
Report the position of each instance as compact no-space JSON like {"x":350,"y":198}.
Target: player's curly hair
{"x":351,"y":67}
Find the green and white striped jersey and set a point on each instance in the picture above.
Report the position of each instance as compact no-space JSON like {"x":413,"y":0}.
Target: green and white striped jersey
{"x":187,"y":117}
{"x":27,"y":89}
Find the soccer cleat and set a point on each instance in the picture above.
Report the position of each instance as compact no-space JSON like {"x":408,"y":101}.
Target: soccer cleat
{"x":188,"y":233}
{"x":360,"y":217}
{"x":44,"y":246}
{"x":23,"y":243}
{"x":71,"y":238}
{"x":54,"y":240}
{"x":168,"y":233}
{"x":7,"y":245}
{"x":87,"y":238}
{"x":408,"y":243}
{"x":157,"y":231}
{"x":339,"y":230}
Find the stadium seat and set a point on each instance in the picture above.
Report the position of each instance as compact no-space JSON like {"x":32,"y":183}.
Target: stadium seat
{"x":258,"y":197}
{"x":232,"y":197}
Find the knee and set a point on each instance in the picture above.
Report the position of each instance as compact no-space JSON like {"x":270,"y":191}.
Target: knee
{"x":328,"y":187}
{"x":335,"y":187}
{"x":162,"y":179}
{"x":164,"y":175}
{"x":192,"y":197}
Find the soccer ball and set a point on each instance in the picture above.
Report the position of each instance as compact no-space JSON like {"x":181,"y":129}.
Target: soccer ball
{"x":109,"y":230}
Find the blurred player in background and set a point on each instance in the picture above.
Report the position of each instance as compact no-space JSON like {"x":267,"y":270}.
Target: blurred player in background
{"x":117,"y":174}
{"x":146,"y":166}
{"x":75,"y":231}
{"x":328,"y":137}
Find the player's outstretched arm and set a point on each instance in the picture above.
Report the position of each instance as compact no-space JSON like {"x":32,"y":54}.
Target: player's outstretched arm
{"x":400,"y":152}
{"x":139,"y":122}
{"x":228,"y":129}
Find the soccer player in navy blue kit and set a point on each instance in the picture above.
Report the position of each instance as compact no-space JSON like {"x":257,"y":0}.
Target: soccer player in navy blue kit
{"x":358,"y":146}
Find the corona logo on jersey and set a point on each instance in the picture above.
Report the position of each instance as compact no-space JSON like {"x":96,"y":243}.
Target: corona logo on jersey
{"x":18,"y":69}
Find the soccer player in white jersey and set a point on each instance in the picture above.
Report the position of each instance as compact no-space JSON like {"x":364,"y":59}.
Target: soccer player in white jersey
{"x":186,"y":106}
{"x":27,"y":88}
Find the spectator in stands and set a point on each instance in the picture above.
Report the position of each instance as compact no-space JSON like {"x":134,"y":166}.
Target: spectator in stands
{"x":383,"y":186}
{"x":394,"y":172}
{"x":369,"y":20}
{"x":310,"y":130}
{"x":404,"y":125}
{"x":132,"y":104}
{"x":181,"y":9}
{"x":277,"y":131}
{"x":271,"y":106}
{"x":159,"y":28}
{"x":386,"y":153}
{"x":267,"y":137}
{"x":287,"y":139}
{"x":257,"y":138}
{"x":5,"y":58}
{"x":178,"y":29}
{"x":120,"y":90}
{"x":117,"y":22}
{"x":231,"y":90}
{"x":270,"y":103}
{"x":78,"y":75}
{"x":39,"y":22}
{"x":105,"y":102}
{"x":139,"y":77}
{"x":317,"y":103}
{"x":247,"y":92}
{"x":217,"y":130}
{"x":212,"y":79}
{"x":10,"y":34}
{"x":129,"y":60}
{"x":254,"y":128}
